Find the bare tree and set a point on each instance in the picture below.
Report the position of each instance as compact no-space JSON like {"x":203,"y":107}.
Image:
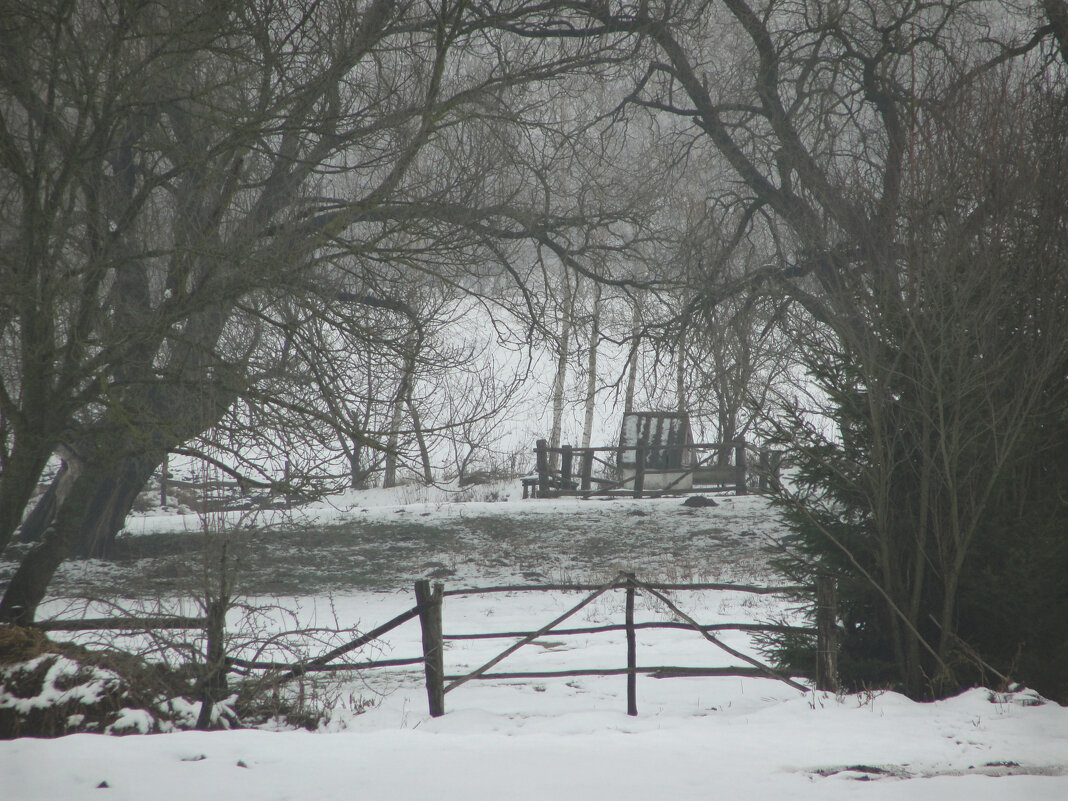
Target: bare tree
{"x":835,"y":123}
{"x":591,"y":367}
{"x":561,"y":352}
{"x":202,"y":167}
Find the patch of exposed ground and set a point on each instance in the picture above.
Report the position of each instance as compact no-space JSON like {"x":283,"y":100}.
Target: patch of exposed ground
{"x":662,"y":540}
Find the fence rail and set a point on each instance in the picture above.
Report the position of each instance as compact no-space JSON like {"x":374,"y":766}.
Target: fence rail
{"x":160,"y":622}
{"x":428,"y":608}
{"x":753,"y":627}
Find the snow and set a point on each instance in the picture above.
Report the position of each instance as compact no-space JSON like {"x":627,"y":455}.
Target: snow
{"x":774,"y":746}
{"x":569,"y":738}
{"x":53,"y":693}
{"x":373,"y":504}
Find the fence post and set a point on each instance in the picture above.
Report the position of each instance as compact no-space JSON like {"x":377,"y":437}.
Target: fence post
{"x":632,"y":651}
{"x":826,"y":634}
{"x":542,"y":450}
{"x":587,"y":470}
{"x":765,"y":467}
{"x":639,"y":469}
{"x":433,"y":648}
{"x":566,"y":456}
{"x":739,"y":468}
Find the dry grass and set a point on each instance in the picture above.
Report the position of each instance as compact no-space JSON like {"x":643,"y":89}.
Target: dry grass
{"x":18,"y":644}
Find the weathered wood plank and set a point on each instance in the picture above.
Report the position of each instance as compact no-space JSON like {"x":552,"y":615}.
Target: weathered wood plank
{"x":429,"y":600}
{"x":632,"y":651}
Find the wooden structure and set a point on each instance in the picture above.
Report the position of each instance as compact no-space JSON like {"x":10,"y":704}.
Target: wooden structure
{"x":656,"y":448}
{"x":656,"y":456}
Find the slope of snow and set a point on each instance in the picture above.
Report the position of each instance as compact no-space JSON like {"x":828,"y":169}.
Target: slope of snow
{"x":569,"y":738}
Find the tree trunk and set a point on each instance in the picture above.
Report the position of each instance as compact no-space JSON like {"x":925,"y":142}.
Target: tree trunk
{"x":106,"y":485}
{"x":28,"y":585}
{"x":567,"y":310}
{"x":18,"y":481}
{"x":44,"y":511}
{"x":680,"y":375}
{"x":358,"y":475}
{"x":107,"y":512}
{"x":1057,"y":14}
{"x":728,"y":432}
{"x":591,"y":368}
{"x":164,"y":474}
{"x":119,"y":487}
{"x":389,"y":478}
{"x":404,"y":390}
{"x":632,"y":360}
{"x":420,"y":438}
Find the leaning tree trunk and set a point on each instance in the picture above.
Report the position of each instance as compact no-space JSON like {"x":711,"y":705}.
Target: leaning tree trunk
{"x":112,"y":503}
{"x":105,"y":514}
{"x":18,"y":481}
{"x":104,"y":488}
{"x":91,"y":505}
{"x":44,"y":511}
{"x":27,"y":588}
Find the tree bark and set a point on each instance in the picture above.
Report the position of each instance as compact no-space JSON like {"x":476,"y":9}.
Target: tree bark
{"x":563,"y":347}
{"x":632,"y":359}
{"x":1057,"y":13}
{"x":420,"y":438}
{"x":44,"y":511}
{"x":28,"y":585}
{"x":402,"y":397}
{"x":591,"y":368}
{"x":389,"y":477}
{"x":680,"y":374}
{"x":17,"y":483}
{"x":111,"y":504}
{"x":104,"y":516}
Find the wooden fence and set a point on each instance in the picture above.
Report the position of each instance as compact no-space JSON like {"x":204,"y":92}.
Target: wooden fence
{"x":576,"y":477}
{"x":825,"y":673}
{"x":428,"y":608}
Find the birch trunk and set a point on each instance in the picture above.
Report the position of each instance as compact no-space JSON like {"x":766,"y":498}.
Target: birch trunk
{"x":567,"y":310}
{"x":591,"y":368}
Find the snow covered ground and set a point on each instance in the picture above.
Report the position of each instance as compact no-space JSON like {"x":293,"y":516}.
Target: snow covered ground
{"x":569,"y":738}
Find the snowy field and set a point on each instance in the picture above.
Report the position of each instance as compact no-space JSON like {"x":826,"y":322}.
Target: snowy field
{"x":564,"y":738}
